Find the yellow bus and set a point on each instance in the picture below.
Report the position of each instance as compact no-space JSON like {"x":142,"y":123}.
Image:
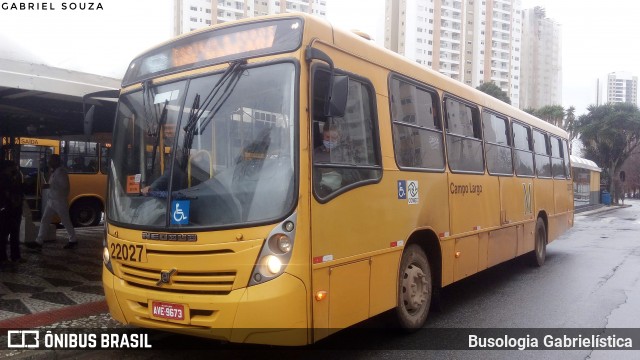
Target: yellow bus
{"x":314,"y":180}
{"x":86,"y":162}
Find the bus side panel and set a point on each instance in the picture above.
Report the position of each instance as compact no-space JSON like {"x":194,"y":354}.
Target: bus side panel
{"x":516,"y":196}
{"x":466,"y":263}
{"x":503,"y":245}
{"x":93,"y":185}
{"x":474,"y":204}
{"x":347,"y":285}
{"x":383,"y":298}
{"x":543,"y":197}
{"x":320,"y":308}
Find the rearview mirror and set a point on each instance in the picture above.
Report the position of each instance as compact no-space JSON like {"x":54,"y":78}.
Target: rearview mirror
{"x":88,"y":121}
{"x":337,"y":98}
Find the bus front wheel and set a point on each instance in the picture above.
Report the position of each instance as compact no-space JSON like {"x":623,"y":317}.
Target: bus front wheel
{"x":414,"y":289}
{"x":85,"y":212}
{"x":538,"y":255}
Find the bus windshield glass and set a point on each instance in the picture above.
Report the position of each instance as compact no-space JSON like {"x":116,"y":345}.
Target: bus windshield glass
{"x":212,"y":151}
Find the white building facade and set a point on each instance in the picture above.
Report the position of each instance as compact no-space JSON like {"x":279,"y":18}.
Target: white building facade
{"x":541,"y":70}
{"x":622,"y":87}
{"x":194,"y":14}
{"x":473,"y":41}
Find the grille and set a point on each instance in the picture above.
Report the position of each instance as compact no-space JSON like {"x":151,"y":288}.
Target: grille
{"x":189,"y":282}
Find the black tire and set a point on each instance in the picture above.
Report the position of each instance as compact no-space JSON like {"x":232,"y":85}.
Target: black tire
{"x":85,"y":212}
{"x":414,"y":289}
{"x":538,"y":255}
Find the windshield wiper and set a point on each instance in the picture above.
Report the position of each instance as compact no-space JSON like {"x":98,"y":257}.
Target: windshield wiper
{"x":230,"y":77}
{"x":161,"y":122}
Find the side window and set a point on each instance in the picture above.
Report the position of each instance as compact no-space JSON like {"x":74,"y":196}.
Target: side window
{"x":565,"y":157}
{"x":541,"y":148}
{"x":557,"y":163}
{"x":522,"y":154}
{"x":82,"y":157}
{"x":346,"y":153}
{"x":417,"y":132}
{"x":497,"y":149}
{"x":105,"y":158}
{"x":464,"y":137}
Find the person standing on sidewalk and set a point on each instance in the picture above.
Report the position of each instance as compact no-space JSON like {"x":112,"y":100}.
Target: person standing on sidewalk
{"x":11,"y":198}
{"x":56,"y":204}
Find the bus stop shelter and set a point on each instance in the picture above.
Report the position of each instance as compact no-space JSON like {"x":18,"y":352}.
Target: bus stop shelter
{"x":586,"y":182}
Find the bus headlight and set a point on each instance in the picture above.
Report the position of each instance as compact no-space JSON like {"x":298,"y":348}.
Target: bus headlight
{"x":276,"y":252}
{"x":280,"y":243}
{"x":274,"y":265}
{"x":106,"y":257}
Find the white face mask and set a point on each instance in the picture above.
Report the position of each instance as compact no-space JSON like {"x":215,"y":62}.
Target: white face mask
{"x":329,"y":144}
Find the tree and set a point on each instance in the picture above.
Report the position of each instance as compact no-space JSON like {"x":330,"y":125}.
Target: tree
{"x":569,"y":124}
{"x":493,"y":90}
{"x":610,"y":133}
{"x":553,"y":114}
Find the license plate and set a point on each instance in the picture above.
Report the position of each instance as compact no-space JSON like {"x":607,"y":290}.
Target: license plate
{"x":168,"y":311}
{"x":126,"y":251}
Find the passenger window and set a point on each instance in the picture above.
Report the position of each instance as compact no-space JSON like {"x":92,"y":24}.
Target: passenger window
{"x":557,"y":163}
{"x":522,"y":154}
{"x":417,"y":131}
{"x":498,"y":151}
{"x":464,"y":137}
{"x":345,"y":150}
{"x":541,"y":148}
{"x":565,"y":157}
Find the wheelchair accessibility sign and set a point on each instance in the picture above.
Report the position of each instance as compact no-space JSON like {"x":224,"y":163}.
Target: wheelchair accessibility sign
{"x":180,"y":212}
{"x":408,"y":190}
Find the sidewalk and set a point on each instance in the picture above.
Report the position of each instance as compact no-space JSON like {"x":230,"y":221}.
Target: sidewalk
{"x":54,"y":285}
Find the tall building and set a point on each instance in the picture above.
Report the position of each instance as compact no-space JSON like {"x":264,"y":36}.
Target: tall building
{"x":194,"y":14}
{"x":622,"y":87}
{"x":541,"y":71}
{"x":473,"y":41}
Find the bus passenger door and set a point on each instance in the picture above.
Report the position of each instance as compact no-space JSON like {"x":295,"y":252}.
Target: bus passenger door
{"x":345,"y":171}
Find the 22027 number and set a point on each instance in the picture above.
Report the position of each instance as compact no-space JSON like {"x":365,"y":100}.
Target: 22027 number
{"x":128,"y":252}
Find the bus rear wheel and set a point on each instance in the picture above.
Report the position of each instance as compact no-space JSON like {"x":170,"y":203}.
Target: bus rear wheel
{"x":85,"y":212}
{"x":538,"y":255}
{"x":414,"y":289}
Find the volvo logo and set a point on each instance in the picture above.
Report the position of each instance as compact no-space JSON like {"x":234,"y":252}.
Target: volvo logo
{"x":165,"y":277}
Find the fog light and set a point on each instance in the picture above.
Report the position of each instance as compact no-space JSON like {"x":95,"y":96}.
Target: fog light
{"x":105,"y":255}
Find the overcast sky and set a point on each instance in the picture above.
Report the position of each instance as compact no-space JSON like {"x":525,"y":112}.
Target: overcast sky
{"x":598,"y":37}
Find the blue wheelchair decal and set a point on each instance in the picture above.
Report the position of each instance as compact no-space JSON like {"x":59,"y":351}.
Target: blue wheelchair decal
{"x":180,"y":212}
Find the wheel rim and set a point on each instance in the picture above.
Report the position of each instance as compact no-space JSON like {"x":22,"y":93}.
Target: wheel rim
{"x":414,"y":288}
{"x":86,"y":216}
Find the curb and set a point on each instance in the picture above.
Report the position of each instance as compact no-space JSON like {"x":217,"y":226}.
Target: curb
{"x":603,"y":209}
{"x":54,"y":316}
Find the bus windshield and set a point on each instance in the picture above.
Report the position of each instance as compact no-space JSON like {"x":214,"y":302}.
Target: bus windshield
{"x":212,"y":151}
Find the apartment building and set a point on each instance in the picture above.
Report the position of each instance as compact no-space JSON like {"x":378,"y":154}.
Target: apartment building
{"x":541,"y":71}
{"x":622,"y":87}
{"x":473,"y":41}
{"x":194,"y":14}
